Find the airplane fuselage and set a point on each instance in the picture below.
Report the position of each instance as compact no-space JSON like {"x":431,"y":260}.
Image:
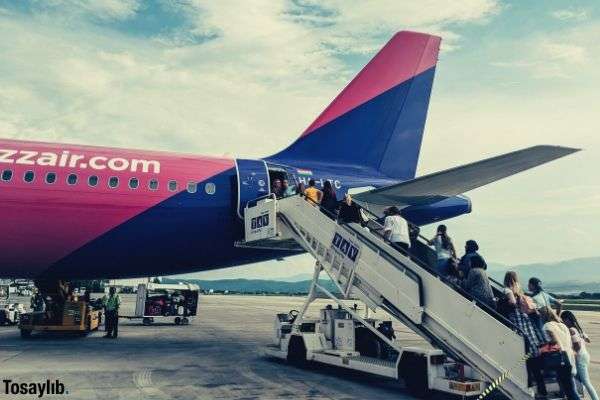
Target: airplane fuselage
{"x":84,"y":211}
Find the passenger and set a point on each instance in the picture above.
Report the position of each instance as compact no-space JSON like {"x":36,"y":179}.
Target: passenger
{"x":582,"y":357}
{"x":477,"y":283}
{"x":329,"y":202}
{"x":349,"y":212}
{"x":558,"y":334}
{"x":300,"y":188}
{"x":277,"y":188}
{"x":287,"y":189}
{"x":111,"y":303}
{"x":395,"y":228}
{"x":471,"y":248}
{"x":313,"y":195}
{"x":541,"y":297}
{"x":444,"y":249}
{"x":509,"y":306}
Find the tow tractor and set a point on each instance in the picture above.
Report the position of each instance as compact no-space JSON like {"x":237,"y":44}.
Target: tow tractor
{"x":63,"y":312}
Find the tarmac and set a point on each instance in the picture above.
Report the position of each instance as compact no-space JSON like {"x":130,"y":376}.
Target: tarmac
{"x":218,"y":356}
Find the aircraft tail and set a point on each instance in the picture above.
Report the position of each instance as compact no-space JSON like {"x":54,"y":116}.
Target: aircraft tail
{"x":377,"y":121}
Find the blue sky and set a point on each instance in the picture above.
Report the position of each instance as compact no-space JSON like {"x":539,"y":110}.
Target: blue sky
{"x":217,"y":78}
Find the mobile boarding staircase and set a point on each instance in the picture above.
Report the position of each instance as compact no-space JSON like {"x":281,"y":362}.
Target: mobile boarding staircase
{"x":364,"y":267}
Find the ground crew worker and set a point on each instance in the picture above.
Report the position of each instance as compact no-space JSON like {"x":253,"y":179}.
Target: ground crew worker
{"x":111,"y":310}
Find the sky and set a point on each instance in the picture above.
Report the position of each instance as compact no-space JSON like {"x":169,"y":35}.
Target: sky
{"x":245,"y":79}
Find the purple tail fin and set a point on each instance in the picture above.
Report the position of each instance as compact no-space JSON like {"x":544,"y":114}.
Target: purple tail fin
{"x":377,"y":121}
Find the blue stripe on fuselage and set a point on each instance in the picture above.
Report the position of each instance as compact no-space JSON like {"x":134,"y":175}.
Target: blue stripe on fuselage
{"x":187,"y":232}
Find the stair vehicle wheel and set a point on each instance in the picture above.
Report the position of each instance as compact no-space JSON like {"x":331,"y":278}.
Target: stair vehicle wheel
{"x":185,"y":321}
{"x":25,"y":333}
{"x":296,"y":351}
{"x":367,"y":344}
{"x":177,"y":320}
{"x":147,"y":321}
{"x":413,"y":369}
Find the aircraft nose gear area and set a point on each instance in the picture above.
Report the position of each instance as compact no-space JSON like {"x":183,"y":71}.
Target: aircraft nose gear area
{"x":474,"y":346}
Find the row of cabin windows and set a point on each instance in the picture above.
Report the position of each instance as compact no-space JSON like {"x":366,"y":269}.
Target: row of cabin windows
{"x":113,"y":181}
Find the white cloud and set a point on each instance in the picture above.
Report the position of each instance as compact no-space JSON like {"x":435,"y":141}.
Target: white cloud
{"x":570,"y":14}
{"x":358,"y":26}
{"x":103,"y":10}
{"x":564,"y":54}
{"x":263,"y":74}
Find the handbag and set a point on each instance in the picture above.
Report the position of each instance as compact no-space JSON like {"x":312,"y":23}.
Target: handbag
{"x":552,"y":357}
{"x":526,"y":304}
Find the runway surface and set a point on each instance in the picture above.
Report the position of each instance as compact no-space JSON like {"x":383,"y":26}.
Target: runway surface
{"x":218,"y":356}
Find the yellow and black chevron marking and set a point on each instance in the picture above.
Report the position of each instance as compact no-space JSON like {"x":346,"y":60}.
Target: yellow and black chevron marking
{"x":498,"y":381}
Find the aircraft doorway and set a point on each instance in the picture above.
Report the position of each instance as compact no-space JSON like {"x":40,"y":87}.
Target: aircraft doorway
{"x":279,"y":176}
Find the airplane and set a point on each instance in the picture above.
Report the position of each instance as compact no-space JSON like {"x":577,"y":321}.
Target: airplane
{"x":85,"y":212}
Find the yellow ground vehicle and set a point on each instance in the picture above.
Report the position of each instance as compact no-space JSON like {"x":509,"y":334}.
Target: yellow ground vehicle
{"x":75,"y":316}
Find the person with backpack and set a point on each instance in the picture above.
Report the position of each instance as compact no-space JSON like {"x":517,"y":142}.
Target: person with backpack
{"x":582,"y":356}
{"x":329,"y":202}
{"x":444,"y":249}
{"x":541,"y":297}
{"x":471,"y":251}
{"x":512,"y":304}
{"x":477,"y":283}
{"x":558,"y":354}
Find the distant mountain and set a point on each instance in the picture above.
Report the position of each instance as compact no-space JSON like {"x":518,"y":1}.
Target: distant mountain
{"x":570,"y":275}
{"x":576,"y":275}
{"x":255,"y":285}
{"x":294,"y":278}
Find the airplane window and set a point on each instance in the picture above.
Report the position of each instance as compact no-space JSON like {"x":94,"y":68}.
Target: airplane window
{"x":192,"y":187}
{"x":172,"y":186}
{"x":210,"y":188}
{"x":7,"y":175}
{"x":153,"y":184}
{"x":50,"y":177}
{"x":93,"y":180}
{"x":134,"y":183}
{"x":113,"y":182}
{"x":29,"y":176}
{"x":72,"y":179}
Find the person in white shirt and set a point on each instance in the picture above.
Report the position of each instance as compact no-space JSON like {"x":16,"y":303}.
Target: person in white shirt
{"x":582,"y":356}
{"x":559,"y":334}
{"x":395,"y":228}
{"x":444,"y":249}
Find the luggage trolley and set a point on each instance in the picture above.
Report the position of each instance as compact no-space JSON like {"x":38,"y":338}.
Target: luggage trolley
{"x":176,"y":303}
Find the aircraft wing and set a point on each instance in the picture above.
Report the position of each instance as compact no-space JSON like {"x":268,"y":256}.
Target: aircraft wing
{"x":438,"y":186}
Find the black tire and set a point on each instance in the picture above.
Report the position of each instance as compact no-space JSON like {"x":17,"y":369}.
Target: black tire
{"x":25,"y":333}
{"x":297,"y":351}
{"x":177,"y":321}
{"x":185,"y":321}
{"x":413,"y":370}
{"x":146,"y":321}
{"x":367,"y":344}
